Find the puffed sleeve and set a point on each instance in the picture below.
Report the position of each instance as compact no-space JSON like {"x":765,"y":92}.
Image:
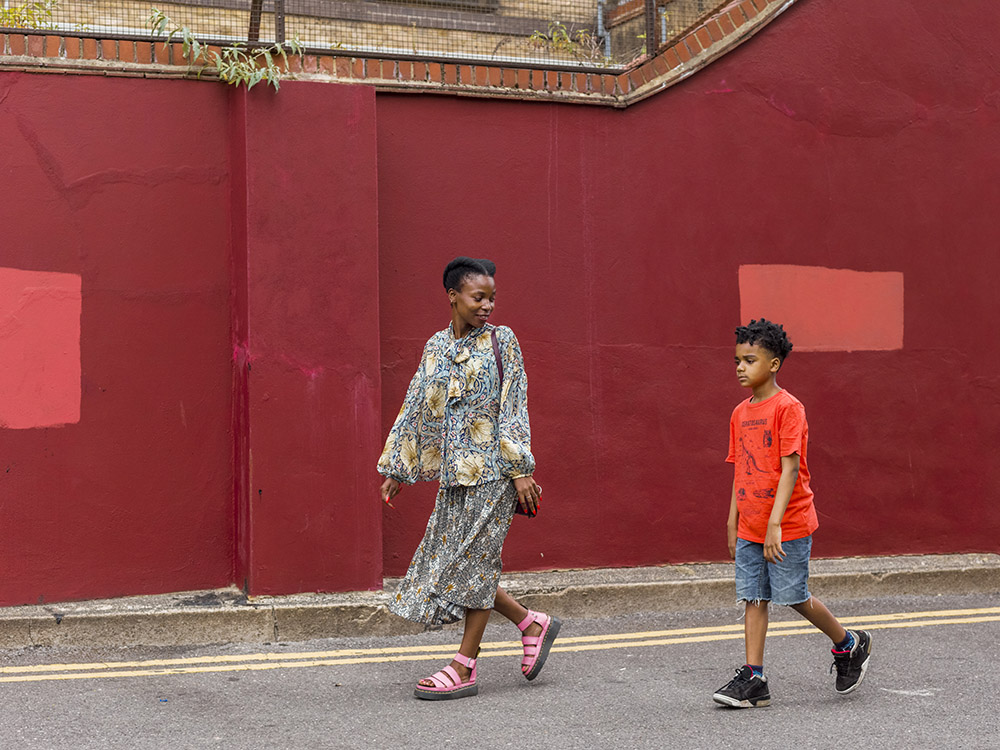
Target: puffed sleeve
{"x":400,"y":459}
{"x":515,"y":430}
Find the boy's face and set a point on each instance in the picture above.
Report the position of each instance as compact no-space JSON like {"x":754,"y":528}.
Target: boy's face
{"x":755,"y":366}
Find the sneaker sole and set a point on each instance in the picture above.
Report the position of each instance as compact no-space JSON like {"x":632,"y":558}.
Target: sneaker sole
{"x":725,"y":700}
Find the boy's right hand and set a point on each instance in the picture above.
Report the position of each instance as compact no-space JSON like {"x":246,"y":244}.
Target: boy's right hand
{"x":731,"y":533}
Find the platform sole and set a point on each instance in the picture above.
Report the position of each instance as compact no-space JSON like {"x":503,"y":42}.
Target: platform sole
{"x":446,"y":695}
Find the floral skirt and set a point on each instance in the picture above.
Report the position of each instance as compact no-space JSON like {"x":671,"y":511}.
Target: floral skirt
{"x":457,"y":565}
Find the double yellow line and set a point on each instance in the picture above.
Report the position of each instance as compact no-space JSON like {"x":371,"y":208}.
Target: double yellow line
{"x":300,"y":660}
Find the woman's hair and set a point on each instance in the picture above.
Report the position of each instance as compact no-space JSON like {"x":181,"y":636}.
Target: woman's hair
{"x":456,"y":272}
{"x":767,"y":335}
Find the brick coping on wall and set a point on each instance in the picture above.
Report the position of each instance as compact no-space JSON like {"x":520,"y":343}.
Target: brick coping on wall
{"x":722,"y":32}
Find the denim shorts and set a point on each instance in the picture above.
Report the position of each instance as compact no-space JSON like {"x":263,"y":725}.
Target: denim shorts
{"x":784,"y":582}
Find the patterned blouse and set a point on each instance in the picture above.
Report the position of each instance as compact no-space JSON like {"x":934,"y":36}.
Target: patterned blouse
{"x":451,"y":426}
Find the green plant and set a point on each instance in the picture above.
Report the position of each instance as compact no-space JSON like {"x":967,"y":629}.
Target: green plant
{"x":237,"y":63}
{"x":582,"y":44}
{"x":29,"y":15}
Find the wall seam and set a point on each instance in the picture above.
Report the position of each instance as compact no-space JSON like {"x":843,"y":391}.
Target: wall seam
{"x":240,"y":330}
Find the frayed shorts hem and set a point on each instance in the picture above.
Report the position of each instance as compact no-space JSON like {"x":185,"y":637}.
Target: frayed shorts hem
{"x":741,"y":600}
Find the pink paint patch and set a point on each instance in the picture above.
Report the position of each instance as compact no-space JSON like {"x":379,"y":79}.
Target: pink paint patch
{"x":826,"y":309}
{"x":39,"y":348}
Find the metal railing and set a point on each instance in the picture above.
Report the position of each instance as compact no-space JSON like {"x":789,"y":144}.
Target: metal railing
{"x":588,"y":34}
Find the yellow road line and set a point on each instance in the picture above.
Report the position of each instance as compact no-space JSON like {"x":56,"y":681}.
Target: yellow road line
{"x":859,"y":621}
{"x":798,"y":630}
{"x":298,"y":660}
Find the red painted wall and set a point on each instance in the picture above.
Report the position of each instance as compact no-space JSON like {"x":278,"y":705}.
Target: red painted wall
{"x":838,"y":139}
{"x":205,"y":289}
{"x":257,"y":274}
{"x":113,"y":182}
{"x":313,"y":384}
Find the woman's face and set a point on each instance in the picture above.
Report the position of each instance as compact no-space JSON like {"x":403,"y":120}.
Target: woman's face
{"x":473,"y":303}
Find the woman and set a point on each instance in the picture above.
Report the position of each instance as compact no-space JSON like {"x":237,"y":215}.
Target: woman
{"x":464,"y":422}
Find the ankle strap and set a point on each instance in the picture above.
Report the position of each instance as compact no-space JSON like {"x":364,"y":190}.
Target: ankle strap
{"x":530,"y":618}
{"x":466,"y":661}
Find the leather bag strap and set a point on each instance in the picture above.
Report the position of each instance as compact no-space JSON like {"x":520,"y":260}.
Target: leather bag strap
{"x":496,"y":353}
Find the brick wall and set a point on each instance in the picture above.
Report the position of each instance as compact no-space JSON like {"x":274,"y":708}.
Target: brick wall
{"x":500,"y":32}
{"x":701,"y":45}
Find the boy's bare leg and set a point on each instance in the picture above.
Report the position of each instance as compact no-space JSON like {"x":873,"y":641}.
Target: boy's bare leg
{"x":816,"y":612}
{"x":475,"y":626}
{"x":755,"y":631}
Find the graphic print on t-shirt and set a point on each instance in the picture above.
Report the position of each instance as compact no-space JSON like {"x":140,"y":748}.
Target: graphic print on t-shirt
{"x":750,"y":466}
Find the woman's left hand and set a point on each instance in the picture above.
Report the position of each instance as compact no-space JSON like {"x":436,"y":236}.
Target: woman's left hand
{"x":528,"y":494}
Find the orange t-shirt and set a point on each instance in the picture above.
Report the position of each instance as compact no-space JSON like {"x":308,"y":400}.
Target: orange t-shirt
{"x":759,"y":435}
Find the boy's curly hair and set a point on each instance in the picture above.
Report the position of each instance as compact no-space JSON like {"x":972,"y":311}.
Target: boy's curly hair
{"x":764,"y":333}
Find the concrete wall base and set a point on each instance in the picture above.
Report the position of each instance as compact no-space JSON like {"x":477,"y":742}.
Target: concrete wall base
{"x":227,"y":616}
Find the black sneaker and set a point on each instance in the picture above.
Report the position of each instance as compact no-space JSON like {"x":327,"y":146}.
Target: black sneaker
{"x":745,"y":690}
{"x":851,"y":665}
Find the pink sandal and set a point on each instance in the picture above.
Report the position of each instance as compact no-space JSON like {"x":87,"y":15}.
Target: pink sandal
{"x":448,"y":685}
{"x":536,"y":648}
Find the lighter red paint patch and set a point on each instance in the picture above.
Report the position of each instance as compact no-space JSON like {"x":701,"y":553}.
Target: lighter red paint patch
{"x":826,"y":309}
{"x":39,"y":348}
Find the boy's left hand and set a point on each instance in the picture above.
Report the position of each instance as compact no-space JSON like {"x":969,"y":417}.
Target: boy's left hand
{"x":772,"y":544}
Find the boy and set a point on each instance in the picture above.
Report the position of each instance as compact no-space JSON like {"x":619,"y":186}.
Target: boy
{"x":772,"y":518}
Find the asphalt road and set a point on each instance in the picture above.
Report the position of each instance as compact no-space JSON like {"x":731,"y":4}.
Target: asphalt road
{"x":610,"y":683}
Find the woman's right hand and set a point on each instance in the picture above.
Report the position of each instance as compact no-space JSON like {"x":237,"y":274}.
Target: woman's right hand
{"x":389,"y":489}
